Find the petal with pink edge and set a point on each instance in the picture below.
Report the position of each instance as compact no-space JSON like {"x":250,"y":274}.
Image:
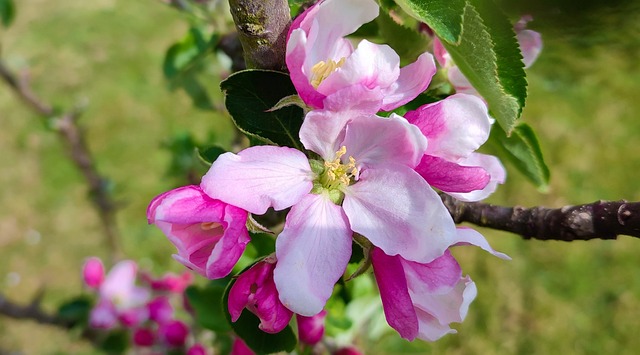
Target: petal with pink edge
{"x":322,"y":131}
{"x":313,"y":251}
{"x":355,"y":100}
{"x":414,"y":79}
{"x":455,"y":126}
{"x":295,"y":58}
{"x":259,"y":177}
{"x":469,"y":236}
{"x":375,"y":141}
{"x":396,"y":302}
{"x":441,"y":274}
{"x":399,"y":213}
{"x":492,"y":166}
{"x":452,"y":177}
{"x":530,"y":45}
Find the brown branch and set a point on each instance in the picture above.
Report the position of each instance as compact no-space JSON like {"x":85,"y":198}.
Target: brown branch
{"x":262,"y":28}
{"x":73,"y":138}
{"x":597,"y":220}
{"x":34,"y":312}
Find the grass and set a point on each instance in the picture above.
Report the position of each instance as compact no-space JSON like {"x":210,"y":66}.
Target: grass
{"x":552,"y":298}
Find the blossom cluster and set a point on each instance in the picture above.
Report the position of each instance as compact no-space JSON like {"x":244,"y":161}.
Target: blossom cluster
{"x":141,"y":304}
{"x":361,"y":177}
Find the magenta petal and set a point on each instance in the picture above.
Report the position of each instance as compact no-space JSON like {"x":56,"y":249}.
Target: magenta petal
{"x":259,"y":177}
{"x":414,"y":79}
{"x":452,"y":177}
{"x":399,"y":213}
{"x":396,"y":302}
{"x":442,"y":273}
{"x":313,"y":251}
{"x":255,"y":290}
{"x":295,"y":58}
{"x":375,"y":141}
{"x":490,"y":164}
{"x":311,"y":329}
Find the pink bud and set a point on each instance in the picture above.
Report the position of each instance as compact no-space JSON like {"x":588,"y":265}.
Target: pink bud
{"x":93,"y":272}
{"x":173,"y":333}
{"x":197,"y":349}
{"x":311,"y":329}
{"x":160,"y":310}
{"x":143,"y":337}
{"x":240,"y":348}
{"x":347,"y":351}
{"x":133,"y":317}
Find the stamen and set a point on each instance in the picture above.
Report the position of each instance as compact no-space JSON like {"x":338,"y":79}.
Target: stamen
{"x":322,"y":70}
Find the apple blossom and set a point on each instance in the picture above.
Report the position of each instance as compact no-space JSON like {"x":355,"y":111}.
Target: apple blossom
{"x":421,"y":300}
{"x":365,"y":183}
{"x":329,"y":73}
{"x":455,"y":127}
{"x":120,"y":299}
{"x":209,"y":234}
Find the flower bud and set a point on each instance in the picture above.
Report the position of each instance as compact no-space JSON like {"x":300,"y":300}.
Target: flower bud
{"x":143,"y":337}
{"x":93,"y":272}
{"x":311,"y":329}
{"x":173,"y":333}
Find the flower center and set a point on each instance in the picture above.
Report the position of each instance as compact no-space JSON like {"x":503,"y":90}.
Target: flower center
{"x":207,"y":226}
{"x":322,"y":70}
{"x":335,"y":176}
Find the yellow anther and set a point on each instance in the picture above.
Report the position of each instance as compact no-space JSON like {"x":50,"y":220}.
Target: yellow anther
{"x":210,"y":225}
{"x":322,"y":70}
{"x":337,"y":172}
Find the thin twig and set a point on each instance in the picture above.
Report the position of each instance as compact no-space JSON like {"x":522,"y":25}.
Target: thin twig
{"x":597,"y":220}
{"x":73,"y":138}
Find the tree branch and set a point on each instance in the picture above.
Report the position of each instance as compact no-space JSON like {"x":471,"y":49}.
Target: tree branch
{"x":262,"y":27}
{"x":73,"y":138}
{"x":597,"y":220}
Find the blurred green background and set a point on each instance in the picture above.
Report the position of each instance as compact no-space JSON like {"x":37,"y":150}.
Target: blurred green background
{"x":553,"y":297}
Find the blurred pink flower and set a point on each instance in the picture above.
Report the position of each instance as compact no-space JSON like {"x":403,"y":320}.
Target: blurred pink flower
{"x":173,"y":333}
{"x":160,"y":309}
{"x":120,"y":298}
{"x":329,"y":73}
{"x":169,"y":282}
{"x":197,"y":349}
{"x":209,"y":234}
{"x":144,"y":337}
{"x":240,"y":348}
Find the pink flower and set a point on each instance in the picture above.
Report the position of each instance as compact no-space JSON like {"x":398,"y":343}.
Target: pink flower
{"x":160,"y":310}
{"x":350,"y":350}
{"x":329,"y":73}
{"x":169,"y":282}
{"x":120,"y":299}
{"x":173,"y":333}
{"x":365,"y":183}
{"x":144,"y":337}
{"x":255,"y":290}
{"x":93,"y":272}
{"x":311,"y":329}
{"x":421,"y":300}
{"x":210,"y":235}
{"x":197,"y":349}
{"x":455,"y":127}
{"x":530,"y":46}
{"x":240,"y":348}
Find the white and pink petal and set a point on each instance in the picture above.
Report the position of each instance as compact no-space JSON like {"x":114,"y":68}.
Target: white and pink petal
{"x":313,"y":251}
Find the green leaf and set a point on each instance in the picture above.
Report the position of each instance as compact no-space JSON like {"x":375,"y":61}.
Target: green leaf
{"x":186,"y":52}
{"x":246,"y":327}
{"x":76,"y":310}
{"x":7,"y":12}
{"x":264,"y":244}
{"x":207,"y":306}
{"x":523,"y":151}
{"x":407,"y":42}
{"x":489,"y":56}
{"x":443,"y":16}
{"x":116,"y":342}
{"x":249,"y":94}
